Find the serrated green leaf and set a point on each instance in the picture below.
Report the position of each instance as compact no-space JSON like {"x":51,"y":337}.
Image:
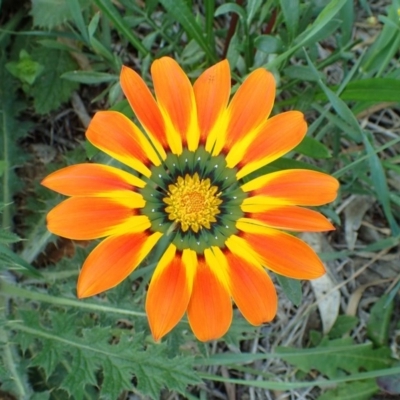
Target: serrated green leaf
{"x":333,"y":356}
{"x":50,"y":90}
{"x":312,"y":148}
{"x":17,"y":260}
{"x":152,"y":367}
{"x":291,"y":288}
{"x":49,"y":357}
{"x":83,"y":369}
{"x":7,"y":237}
{"x":379,"y":320}
{"x":362,"y":390}
{"x":50,"y":13}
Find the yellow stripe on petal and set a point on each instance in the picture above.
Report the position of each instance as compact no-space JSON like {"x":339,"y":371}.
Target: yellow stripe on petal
{"x":210,"y":307}
{"x":85,"y":218}
{"x":217,"y":262}
{"x":177,"y":104}
{"x":113,"y":260}
{"x":169,"y":293}
{"x":252,"y":289}
{"x":91,"y":180}
{"x":291,"y":218}
{"x":250,"y":107}
{"x":295,"y":186}
{"x":145,"y":108}
{"x":276,"y":137}
{"x":278,"y":251}
{"x":212,"y":90}
{"x":120,"y":138}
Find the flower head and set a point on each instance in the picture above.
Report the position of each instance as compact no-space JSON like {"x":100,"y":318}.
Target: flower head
{"x":192,"y":195}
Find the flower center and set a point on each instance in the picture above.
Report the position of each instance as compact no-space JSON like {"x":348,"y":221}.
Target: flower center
{"x":192,"y":202}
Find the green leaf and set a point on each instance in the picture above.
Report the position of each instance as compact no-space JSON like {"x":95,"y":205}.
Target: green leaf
{"x":231,"y":8}
{"x":179,"y":10}
{"x":51,"y":13}
{"x":50,"y":90}
{"x":18,"y":261}
{"x":83,"y":373}
{"x":333,"y":356}
{"x":343,"y":324}
{"x":114,"y":16}
{"x":268,"y":44}
{"x":291,"y":13}
{"x":7,"y":237}
{"x":379,"y":321}
{"x":380,"y":185}
{"x":374,"y":90}
{"x":119,"y":362}
{"x":89,"y":77}
{"x":301,"y":72}
{"x":362,"y":390}
{"x":339,"y":105}
{"x":312,"y":148}
{"x":292,"y":289}
{"x":385,"y":46}
{"x":26,"y":70}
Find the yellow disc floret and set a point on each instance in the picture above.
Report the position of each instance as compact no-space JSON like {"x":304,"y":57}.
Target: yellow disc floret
{"x":192,"y":202}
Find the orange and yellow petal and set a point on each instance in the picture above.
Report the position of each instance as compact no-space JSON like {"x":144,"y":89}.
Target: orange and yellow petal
{"x":169,"y":291}
{"x":91,"y":180}
{"x":279,"y":135}
{"x":177,"y":104}
{"x":85,"y":218}
{"x":210,"y":308}
{"x":249,"y":108}
{"x":212,"y":91}
{"x":292,"y":218}
{"x":290,"y":187}
{"x":145,"y":108}
{"x":117,"y":136}
{"x":252,"y":289}
{"x":113,"y":260}
{"x":278,"y":251}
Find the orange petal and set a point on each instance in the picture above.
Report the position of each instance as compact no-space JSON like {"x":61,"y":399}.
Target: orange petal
{"x":292,"y":218}
{"x":277,"y":251}
{"x":250,"y":107}
{"x":113,"y":260}
{"x":85,"y":218}
{"x":144,"y":107}
{"x":176,"y":100}
{"x":212,"y":90}
{"x":120,"y":138}
{"x":277,"y":136}
{"x":91,"y":180}
{"x":252,"y":290}
{"x":210,"y":308}
{"x":290,"y":187}
{"x":169,"y":292}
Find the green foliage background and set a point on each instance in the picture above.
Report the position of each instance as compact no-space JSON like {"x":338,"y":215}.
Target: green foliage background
{"x":56,"y":347}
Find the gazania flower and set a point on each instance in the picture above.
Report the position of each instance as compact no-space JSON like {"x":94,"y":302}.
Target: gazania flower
{"x":191,"y":193}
